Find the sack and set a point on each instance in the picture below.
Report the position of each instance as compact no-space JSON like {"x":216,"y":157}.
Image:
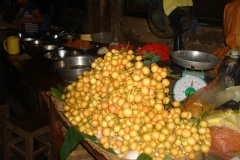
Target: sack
{"x":231,"y":26}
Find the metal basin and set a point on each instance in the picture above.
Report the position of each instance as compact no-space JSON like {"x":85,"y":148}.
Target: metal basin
{"x":61,"y":53}
{"x":39,"y":42}
{"x":50,"y":47}
{"x":69,"y":37}
{"x":62,"y":33}
{"x":26,"y":42}
{"x":194,"y":60}
{"x":70,"y":67}
{"x":51,"y":36}
{"x":54,"y":35}
{"x":36,"y":43}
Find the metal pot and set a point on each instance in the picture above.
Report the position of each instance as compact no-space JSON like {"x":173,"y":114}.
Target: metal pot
{"x":26,"y":42}
{"x":70,"y":67}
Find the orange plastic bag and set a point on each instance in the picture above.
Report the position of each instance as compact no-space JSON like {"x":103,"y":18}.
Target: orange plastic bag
{"x":225,"y":132}
{"x":231,"y":26}
{"x":225,"y":139}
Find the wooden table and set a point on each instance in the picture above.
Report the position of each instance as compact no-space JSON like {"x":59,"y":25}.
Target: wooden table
{"x":27,"y":83}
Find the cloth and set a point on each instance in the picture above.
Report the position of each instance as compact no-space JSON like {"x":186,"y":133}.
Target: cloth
{"x":231,"y":28}
{"x":170,"y":5}
{"x":232,"y":24}
{"x":26,"y":12}
{"x":45,"y":26}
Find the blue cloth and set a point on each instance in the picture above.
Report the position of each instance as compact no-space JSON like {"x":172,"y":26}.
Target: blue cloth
{"x":45,"y":26}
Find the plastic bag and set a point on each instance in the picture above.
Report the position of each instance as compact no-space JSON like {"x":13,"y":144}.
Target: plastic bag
{"x":157,"y":49}
{"x":225,"y":132}
{"x":232,"y":70}
{"x":231,"y":67}
{"x":209,"y":97}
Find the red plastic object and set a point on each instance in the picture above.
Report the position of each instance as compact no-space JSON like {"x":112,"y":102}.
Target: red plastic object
{"x":158,"y":49}
{"x":120,"y":46}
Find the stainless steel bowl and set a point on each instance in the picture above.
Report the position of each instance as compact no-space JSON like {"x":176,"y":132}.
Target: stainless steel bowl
{"x":70,"y":67}
{"x":51,"y":36}
{"x":62,"y":33}
{"x":26,"y":42}
{"x":69,"y":38}
{"x":194,"y":60}
{"x":54,"y":35}
{"x":61,"y":53}
{"x":50,"y":47}
{"x":36,"y":43}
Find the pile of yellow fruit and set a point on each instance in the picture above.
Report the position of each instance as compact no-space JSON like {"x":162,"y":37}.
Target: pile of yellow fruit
{"x":126,"y":103}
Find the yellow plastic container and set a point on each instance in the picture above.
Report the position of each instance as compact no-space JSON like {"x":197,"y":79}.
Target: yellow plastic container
{"x":11,"y":45}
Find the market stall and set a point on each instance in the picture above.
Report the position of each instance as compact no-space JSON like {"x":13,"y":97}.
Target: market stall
{"x":31,"y":72}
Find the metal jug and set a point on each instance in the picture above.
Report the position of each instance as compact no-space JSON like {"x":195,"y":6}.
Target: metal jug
{"x":11,"y":45}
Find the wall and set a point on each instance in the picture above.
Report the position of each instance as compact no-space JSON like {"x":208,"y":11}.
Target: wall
{"x":136,"y":31}
{"x":92,"y":18}
{"x":106,"y":16}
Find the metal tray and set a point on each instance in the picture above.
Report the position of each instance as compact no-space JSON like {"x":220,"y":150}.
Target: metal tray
{"x":194,"y":60}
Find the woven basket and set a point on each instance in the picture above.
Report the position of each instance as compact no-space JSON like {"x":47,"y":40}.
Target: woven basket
{"x":108,"y":156}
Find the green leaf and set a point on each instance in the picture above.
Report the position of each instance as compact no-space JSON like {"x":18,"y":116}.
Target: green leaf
{"x":71,"y":140}
{"x":91,"y":138}
{"x":57,"y":93}
{"x":144,"y":156}
{"x":110,"y":150}
{"x":204,"y":114}
{"x":155,"y":59}
{"x":61,"y":89}
{"x":148,"y":55}
{"x":168,"y":157}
